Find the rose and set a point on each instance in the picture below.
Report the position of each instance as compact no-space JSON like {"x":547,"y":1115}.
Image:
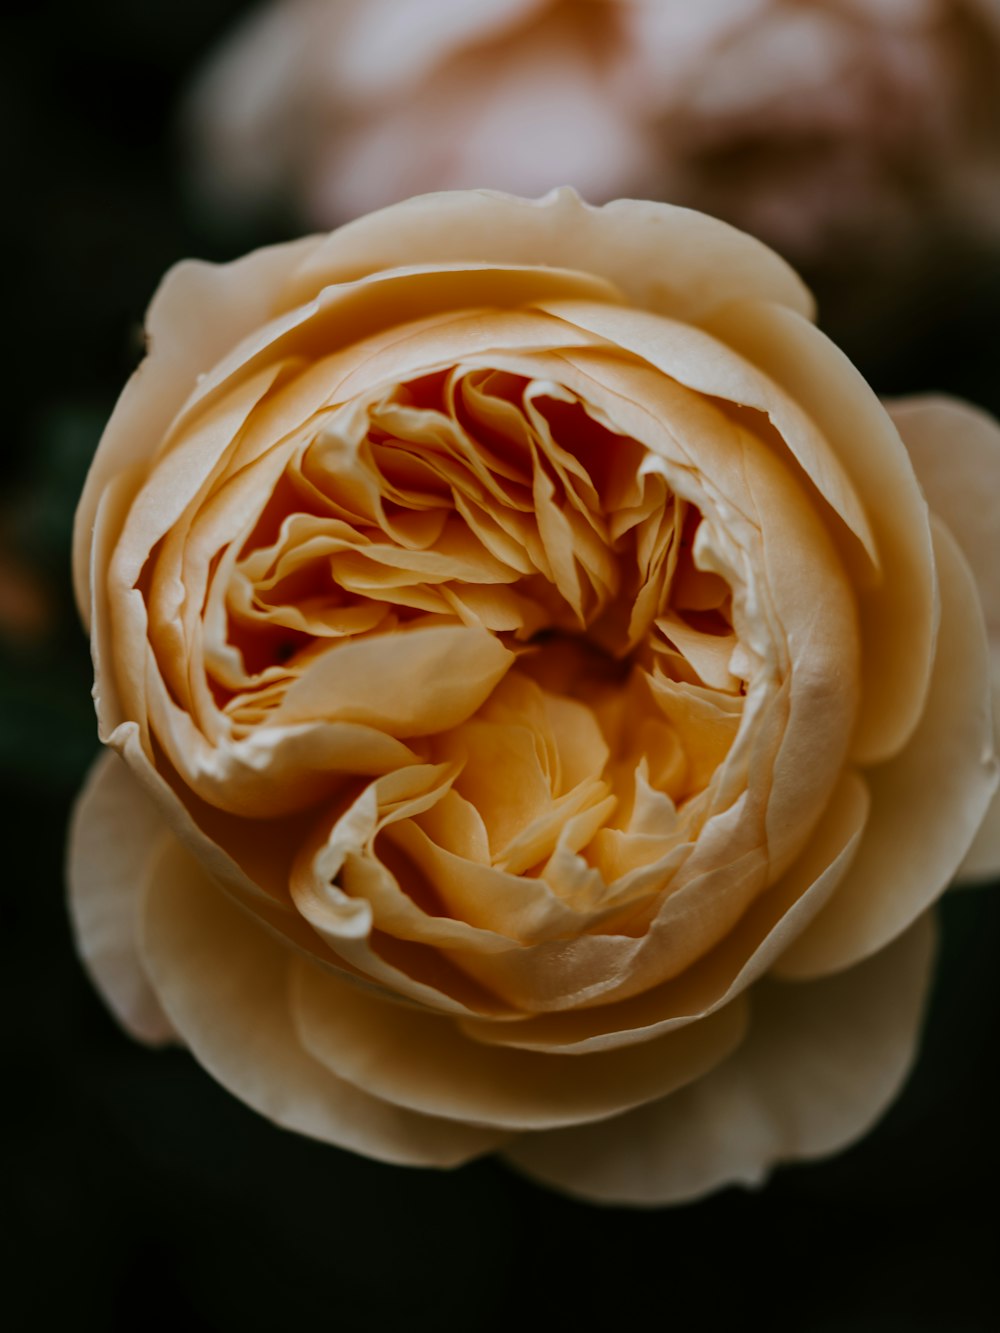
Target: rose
{"x":824,"y":128}
{"x":548,"y":706}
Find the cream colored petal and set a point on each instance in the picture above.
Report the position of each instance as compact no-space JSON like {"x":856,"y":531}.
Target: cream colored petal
{"x":667,"y":259}
{"x":927,"y":803}
{"x":114,"y":833}
{"x":244,"y":856}
{"x":955,"y":450}
{"x":423,"y":1062}
{"x":108,"y":519}
{"x":198,"y":312}
{"x":897,"y":616}
{"x":821,"y":1062}
{"x":983,"y":860}
{"x":224,"y":982}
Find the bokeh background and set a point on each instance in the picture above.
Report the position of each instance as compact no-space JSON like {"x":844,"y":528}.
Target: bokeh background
{"x":142,"y":1195}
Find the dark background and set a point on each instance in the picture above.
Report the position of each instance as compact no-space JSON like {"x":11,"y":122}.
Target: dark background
{"x":142,"y":1195}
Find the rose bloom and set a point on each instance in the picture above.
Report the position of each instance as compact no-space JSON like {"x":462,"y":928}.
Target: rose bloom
{"x":824,"y":126}
{"x":541,"y":705}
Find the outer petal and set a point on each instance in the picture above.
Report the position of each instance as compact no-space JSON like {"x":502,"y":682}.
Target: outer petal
{"x":927,"y":803}
{"x":425,"y":1062}
{"x":663,"y":258}
{"x":956,"y":453}
{"x":224,"y":982}
{"x":115,"y":832}
{"x":199,"y":311}
{"x":820,"y":1065}
{"x":897,"y":626}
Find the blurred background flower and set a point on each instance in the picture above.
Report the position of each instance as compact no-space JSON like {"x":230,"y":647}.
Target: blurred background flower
{"x":858,"y":137}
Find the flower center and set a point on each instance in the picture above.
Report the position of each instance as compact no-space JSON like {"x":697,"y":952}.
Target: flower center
{"x":488,"y":500}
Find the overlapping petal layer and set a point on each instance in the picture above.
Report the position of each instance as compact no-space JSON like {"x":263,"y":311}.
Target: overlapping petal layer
{"x":503,"y":609}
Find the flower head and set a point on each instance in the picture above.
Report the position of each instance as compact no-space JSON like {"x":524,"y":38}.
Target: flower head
{"x":547,"y":703}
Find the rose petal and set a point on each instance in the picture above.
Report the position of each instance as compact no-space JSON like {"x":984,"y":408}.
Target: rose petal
{"x":114,"y":834}
{"x":663,"y":258}
{"x":707,"y":365}
{"x":199,"y":311}
{"x":821,"y":1062}
{"x":237,"y":1022}
{"x":955,"y":450}
{"x":743,"y":956}
{"x":927,"y":803}
{"x":393,"y":682}
{"x":423,"y":1061}
{"x":897,"y":616}
{"x":983,"y":859}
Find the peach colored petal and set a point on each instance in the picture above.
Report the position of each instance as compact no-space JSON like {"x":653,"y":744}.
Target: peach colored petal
{"x":983,"y":859}
{"x":927,"y":803}
{"x":897,"y":615}
{"x":115,"y":834}
{"x":955,"y":449}
{"x":423,"y":1061}
{"x":400,"y":690}
{"x":745,"y":955}
{"x":323,"y":316}
{"x":821,"y":1062}
{"x":663,"y":258}
{"x":199,"y":311}
{"x":237,"y":1022}
{"x":707,"y":365}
